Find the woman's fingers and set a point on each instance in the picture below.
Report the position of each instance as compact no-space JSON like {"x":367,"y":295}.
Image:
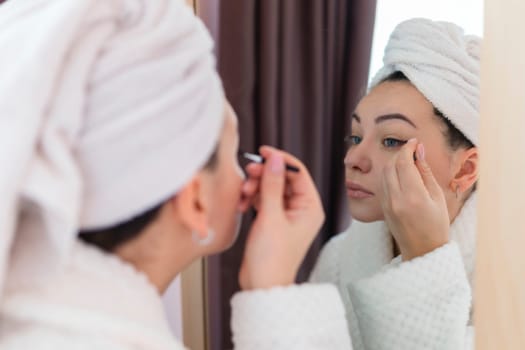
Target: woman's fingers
{"x":254,"y":170}
{"x":429,"y":180}
{"x":273,"y":185}
{"x":301,"y":181}
{"x":249,"y":193}
{"x":298,"y":186}
{"x":409,"y":178}
{"x":300,"y":190}
{"x":288,"y":158}
{"x":251,"y":186}
{"x":415,"y":177}
{"x":414,"y":211}
{"x":280,"y":235}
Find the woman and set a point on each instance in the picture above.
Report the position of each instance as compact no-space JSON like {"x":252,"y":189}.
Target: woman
{"x":404,"y":267}
{"x":115,"y":129}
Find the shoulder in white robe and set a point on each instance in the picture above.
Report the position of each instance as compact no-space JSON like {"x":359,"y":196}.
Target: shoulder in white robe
{"x":425,"y":303}
{"x":101,"y":302}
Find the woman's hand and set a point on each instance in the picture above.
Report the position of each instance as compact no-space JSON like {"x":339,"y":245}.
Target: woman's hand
{"x":414,"y":204}
{"x":289,"y":216}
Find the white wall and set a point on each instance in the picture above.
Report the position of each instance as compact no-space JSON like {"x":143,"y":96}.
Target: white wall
{"x":466,"y":13}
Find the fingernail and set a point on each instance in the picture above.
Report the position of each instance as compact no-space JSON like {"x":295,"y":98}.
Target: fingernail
{"x":411,"y":140}
{"x":277,"y":163}
{"x":421,"y":152}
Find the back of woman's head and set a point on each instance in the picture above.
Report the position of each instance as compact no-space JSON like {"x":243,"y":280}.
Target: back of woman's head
{"x":127,"y":108}
{"x":110,"y":238}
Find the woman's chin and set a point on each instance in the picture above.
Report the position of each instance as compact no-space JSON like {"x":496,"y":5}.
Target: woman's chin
{"x":232,"y":235}
{"x":364,"y":214}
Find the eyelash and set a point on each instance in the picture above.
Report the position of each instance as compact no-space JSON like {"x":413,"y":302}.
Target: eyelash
{"x":398,"y":143}
{"x":353,"y":140}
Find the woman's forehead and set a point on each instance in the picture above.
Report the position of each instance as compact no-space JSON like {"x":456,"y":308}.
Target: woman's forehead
{"x":394,"y":98}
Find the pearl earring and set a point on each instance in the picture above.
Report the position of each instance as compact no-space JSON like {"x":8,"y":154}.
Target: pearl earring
{"x":203,"y":241}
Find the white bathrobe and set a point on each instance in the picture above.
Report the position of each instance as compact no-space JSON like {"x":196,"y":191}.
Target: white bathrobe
{"x":100,"y":302}
{"x":100,"y":102}
{"x":420,"y":304}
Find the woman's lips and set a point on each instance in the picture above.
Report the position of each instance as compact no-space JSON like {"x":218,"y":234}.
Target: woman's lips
{"x":356,"y":191}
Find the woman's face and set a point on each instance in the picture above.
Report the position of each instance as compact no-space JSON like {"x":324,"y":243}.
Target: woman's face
{"x":224,"y":185}
{"x":392,"y":113}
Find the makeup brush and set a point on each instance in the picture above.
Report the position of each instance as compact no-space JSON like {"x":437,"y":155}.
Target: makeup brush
{"x":258,"y":159}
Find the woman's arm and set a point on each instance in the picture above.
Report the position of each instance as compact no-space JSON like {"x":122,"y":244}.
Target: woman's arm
{"x":423,"y":303}
{"x":308,"y":316}
{"x":272,"y":312}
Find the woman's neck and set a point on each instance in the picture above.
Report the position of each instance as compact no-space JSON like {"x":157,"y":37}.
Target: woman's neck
{"x":396,"y":249}
{"x":161,"y":255}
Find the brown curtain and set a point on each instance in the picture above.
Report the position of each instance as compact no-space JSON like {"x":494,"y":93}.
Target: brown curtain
{"x":294,"y":71}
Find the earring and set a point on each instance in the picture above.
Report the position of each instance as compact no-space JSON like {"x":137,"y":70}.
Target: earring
{"x":203,"y":241}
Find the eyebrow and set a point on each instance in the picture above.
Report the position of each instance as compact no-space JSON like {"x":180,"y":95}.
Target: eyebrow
{"x":383,"y":118}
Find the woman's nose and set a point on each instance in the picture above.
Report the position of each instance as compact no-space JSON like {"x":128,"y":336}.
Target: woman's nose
{"x":358,"y":159}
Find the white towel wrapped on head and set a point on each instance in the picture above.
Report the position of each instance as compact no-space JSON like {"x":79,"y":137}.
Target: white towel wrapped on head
{"x":443,"y":64}
{"x":107,"y":108}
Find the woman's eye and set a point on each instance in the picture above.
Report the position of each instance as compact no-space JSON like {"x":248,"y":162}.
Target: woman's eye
{"x":352,"y":140}
{"x":393,"y":143}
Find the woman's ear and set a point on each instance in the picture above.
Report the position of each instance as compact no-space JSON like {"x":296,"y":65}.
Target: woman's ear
{"x":467,"y":175}
{"x":191,"y":207}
